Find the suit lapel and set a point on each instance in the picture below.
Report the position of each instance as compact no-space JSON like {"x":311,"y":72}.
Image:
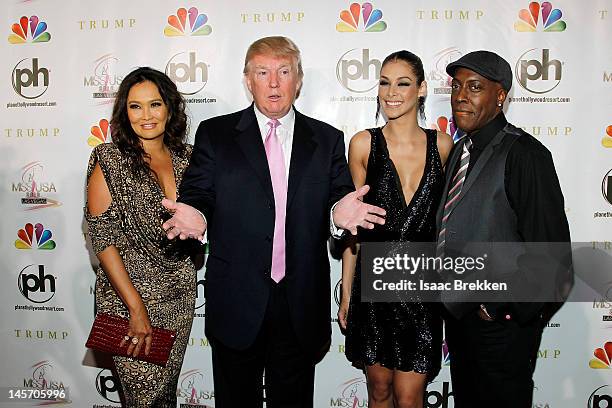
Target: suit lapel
{"x":250,"y":141}
{"x":480,"y":164}
{"x":301,"y":154}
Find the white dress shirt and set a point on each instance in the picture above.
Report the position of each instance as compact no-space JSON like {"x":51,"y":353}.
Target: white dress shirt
{"x":284,"y":132}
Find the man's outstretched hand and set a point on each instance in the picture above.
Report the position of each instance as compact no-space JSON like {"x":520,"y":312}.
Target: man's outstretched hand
{"x":351,"y":212}
{"x":186,"y":221}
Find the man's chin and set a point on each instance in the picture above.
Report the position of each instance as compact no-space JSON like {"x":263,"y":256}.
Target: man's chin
{"x":274,"y":112}
{"x":464,"y":125}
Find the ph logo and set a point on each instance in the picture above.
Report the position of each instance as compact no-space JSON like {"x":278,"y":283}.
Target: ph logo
{"x":189,"y":74}
{"x":338,"y":292}
{"x":200,"y":289}
{"x":606,"y":187}
{"x":30,"y":83}
{"x":108,"y":386}
{"x":35,"y":285}
{"x":599,"y":397}
{"x":438,"y":399}
{"x":545,"y":72}
{"x":357,"y":72}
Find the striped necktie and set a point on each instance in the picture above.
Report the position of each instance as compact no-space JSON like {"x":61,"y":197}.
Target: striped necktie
{"x":453,"y":194}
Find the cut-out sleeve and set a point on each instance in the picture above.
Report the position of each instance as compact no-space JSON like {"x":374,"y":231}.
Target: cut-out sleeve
{"x":103,"y":229}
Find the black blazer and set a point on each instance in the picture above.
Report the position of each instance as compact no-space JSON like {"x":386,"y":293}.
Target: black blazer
{"x":228,"y":180}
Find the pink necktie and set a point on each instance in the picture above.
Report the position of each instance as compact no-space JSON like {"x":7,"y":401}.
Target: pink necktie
{"x":276,"y":163}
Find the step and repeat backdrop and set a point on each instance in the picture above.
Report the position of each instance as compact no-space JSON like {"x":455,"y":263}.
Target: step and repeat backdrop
{"x":62,"y":63}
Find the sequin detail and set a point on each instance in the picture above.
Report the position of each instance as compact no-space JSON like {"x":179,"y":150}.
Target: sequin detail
{"x":160,"y":270}
{"x":398,"y":335}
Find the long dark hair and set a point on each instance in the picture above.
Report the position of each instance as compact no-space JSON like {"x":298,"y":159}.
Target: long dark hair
{"x":417,"y":66}
{"x":121,"y":130}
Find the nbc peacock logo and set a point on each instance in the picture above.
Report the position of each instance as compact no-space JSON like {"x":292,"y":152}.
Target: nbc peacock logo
{"x":99,"y":133}
{"x":34,"y":236}
{"x":446,"y":358}
{"x":603,"y":357}
{"x":187,"y":23}
{"x":607,"y":139}
{"x":530,"y":18}
{"x":31,"y":30}
{"x":362,"y":17}
{"x":443,"y":124}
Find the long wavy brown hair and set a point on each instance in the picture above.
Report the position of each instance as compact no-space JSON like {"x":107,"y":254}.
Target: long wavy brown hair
{"x":121,"y":130}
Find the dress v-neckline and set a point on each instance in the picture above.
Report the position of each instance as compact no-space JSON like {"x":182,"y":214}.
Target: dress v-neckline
{"x":158,"y":187}
{"x":398,"y":180}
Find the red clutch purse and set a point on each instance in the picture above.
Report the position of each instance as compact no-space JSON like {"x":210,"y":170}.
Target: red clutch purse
{"x":108,"y":332}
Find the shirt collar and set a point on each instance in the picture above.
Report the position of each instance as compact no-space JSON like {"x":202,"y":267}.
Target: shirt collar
{"x":286,"y":122}
{"x":482,"y":137}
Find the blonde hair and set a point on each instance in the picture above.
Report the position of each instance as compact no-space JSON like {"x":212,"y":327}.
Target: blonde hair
{"x":277,"y":46}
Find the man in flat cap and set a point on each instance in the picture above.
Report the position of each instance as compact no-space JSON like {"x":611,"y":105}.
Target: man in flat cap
{"x":501,"y":187}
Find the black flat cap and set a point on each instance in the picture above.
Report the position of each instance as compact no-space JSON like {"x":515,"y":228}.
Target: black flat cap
{"x":486,"y":63}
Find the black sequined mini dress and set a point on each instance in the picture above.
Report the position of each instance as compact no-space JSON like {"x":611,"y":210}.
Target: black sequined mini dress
{"x":398,"y":335}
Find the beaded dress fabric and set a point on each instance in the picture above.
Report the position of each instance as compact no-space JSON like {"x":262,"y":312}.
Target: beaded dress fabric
{"x":398,"y":335}
{"x":160,"y":270}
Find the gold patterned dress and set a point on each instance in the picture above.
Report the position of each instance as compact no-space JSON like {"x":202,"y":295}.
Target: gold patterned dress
{"x":161,"y":270}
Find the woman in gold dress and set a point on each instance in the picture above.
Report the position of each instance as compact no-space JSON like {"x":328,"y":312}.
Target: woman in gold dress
{"x":142,"y":276}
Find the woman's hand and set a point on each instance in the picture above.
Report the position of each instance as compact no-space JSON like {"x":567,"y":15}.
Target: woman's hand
{"x":343,"y":314}
{"x":139,"y":333}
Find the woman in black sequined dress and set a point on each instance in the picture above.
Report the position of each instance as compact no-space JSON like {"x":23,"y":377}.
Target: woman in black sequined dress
{"x":399,"y":343}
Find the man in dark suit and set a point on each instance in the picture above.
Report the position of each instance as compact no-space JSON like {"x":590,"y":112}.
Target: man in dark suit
{"x":269,"y":183}
{"x":501,"y":187}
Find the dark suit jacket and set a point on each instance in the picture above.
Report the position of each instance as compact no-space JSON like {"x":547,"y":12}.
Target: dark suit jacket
{"x":228,"y":180}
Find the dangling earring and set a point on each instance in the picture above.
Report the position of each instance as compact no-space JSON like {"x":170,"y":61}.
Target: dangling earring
{"x":421,"y":107}
{"x":499,"y":104}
